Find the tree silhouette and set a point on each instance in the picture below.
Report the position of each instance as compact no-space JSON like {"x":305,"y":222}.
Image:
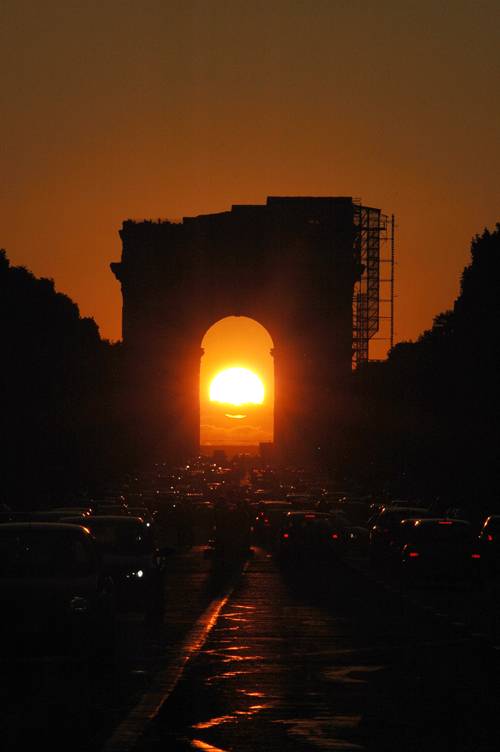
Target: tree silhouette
{"x":428,"y":418}
{"x":62,"y":421}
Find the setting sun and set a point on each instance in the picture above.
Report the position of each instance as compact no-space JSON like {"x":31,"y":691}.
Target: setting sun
{"x":237,"y":386}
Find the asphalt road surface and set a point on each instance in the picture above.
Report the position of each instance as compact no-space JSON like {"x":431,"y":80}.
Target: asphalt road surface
{"x":250,"y":657}
{"x":329,"y":659}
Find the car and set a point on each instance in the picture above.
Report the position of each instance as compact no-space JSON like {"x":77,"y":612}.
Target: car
{"x":439,"y":548}
{"x":489,"y":544}
{"x":385,"y":529}
{"x":131,"y":556}
{"x":267,"y":520}
{"x":352,"y":532}
{"x":56,"y":598}
{"x":309,"y":536}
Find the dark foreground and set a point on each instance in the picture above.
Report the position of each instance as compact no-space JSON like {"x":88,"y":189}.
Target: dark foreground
{"x":330,"y":658}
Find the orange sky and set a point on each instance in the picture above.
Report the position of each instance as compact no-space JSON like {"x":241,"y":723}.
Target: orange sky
{"x":117,"y":109}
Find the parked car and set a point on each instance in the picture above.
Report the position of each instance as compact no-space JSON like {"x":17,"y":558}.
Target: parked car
{"x":56,"y":597}
{"x":439,"y":548}
{"x":132,"y":558}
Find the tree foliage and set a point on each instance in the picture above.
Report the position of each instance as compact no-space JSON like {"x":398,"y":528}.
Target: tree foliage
{"x":429,"y":416}
{"x":60,"y":392}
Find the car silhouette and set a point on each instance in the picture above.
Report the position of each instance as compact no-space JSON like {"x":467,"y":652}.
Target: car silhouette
{"x":309,"y":536}
{"x":489,"y":544}
{"x":56,"y":597}
{"x":385,"y":529}
{"x":132,"y":558}
{"x":439,"y":548}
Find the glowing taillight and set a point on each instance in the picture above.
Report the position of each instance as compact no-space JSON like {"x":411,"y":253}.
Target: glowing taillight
{"x":475,"y":556}
{"x":335,"y":536}
{"x":266,"y":521}
{"x":286,"y":535}
{"x":445,"y":522}
{"x":413,"y":554}
{"x":489,"y":537}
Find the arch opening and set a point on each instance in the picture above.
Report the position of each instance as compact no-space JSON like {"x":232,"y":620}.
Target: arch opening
{"x":236,"y":386}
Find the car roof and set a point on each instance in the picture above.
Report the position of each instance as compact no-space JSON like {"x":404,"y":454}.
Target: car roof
{"x":274,"y":505}
{"x":115,"y":518}
{"x":442,"y":521}
{"x":44,"y":526}
{"x":268,"y":502}
{"x":402,"y":510}
{"x":430,"y":521}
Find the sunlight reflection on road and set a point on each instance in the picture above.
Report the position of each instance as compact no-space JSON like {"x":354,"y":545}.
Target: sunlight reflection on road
{"x":198,"y":744}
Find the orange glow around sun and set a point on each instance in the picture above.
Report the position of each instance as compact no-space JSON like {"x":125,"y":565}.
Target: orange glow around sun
{"x":237,"y":386}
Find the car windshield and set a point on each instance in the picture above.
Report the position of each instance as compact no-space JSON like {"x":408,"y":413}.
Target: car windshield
{"x":124,"y":539}
{"x":41,"y":554}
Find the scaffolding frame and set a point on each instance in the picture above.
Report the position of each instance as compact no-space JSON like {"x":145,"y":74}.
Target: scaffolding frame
{"x":371,"y":231}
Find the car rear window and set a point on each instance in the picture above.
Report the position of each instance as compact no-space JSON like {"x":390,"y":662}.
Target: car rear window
{"x":308,"y":520}
{"x":127,"y":539}
{"x":41,"y":554}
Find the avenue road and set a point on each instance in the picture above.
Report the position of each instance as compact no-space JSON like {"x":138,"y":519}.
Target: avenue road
{"x":251,"y":657}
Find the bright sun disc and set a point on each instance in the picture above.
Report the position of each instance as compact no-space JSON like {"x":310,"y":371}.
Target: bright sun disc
{"x":237,"y":386}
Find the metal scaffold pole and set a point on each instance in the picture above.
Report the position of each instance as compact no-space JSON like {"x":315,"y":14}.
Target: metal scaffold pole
{"x":392,"y":282}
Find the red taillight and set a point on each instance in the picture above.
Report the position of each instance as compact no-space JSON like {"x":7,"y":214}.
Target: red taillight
{"x":413,"y":554}
{"x":335,"y":536}
{"x":266,"y":521}
{"x":489,"y":537}
{"x":475,"y":556}
{"x":286,"y":535}
{"x":445,"y":522}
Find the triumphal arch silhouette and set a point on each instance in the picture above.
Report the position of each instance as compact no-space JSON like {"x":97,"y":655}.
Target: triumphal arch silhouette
{"x":292,"y":265}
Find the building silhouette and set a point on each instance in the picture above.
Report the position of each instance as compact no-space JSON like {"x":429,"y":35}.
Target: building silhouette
{"x":295,"y":265}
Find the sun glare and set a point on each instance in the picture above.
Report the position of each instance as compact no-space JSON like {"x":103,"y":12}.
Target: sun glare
{"x":237,"y":386}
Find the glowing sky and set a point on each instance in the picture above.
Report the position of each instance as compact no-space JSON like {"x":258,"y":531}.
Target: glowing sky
{"x":117,"y":108}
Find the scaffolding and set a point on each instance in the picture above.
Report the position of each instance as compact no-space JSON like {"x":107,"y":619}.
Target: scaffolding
{"x":372,"y":231}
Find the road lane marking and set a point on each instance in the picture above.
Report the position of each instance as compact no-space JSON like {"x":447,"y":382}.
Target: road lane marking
{"x":129,"y":731}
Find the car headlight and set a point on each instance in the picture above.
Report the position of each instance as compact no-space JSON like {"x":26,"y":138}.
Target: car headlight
{"x":139,"y":574}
